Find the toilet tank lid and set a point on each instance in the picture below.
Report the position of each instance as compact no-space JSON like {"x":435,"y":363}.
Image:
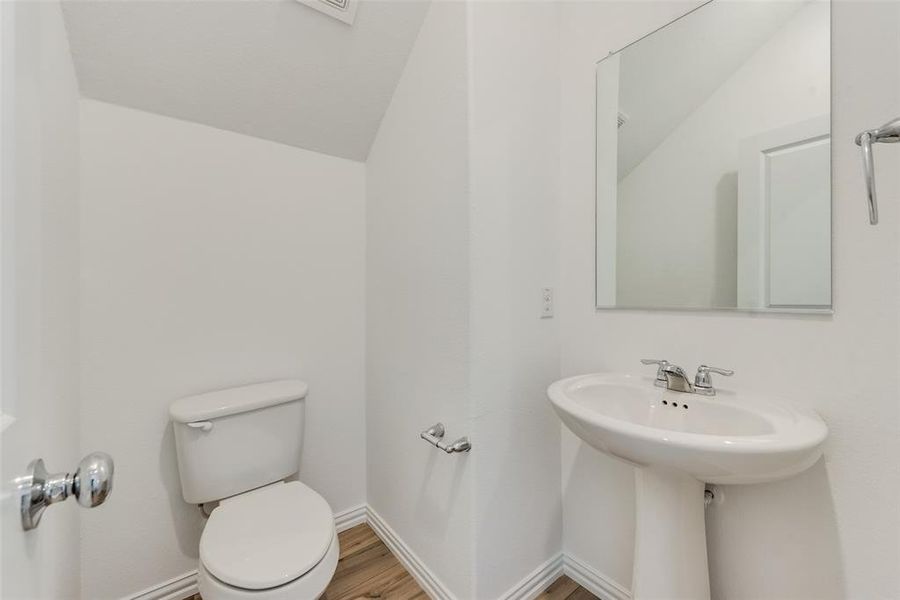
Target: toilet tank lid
{"x":221,"y":403}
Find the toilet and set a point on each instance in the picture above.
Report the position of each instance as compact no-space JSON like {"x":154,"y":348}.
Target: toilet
{"x":268,"y":539}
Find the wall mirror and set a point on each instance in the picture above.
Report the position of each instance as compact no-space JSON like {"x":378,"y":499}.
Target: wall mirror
{"x":713,"y":163}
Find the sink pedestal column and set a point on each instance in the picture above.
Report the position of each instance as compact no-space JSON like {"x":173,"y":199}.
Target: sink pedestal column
{"x":670,"y":561}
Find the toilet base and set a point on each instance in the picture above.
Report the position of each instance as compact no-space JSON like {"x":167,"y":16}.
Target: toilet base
{"x":310,"y":585}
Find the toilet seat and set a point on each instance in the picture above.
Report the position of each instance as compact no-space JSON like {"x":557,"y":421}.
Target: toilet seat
{"x":268,"y":538}
{"x":308,"y":587}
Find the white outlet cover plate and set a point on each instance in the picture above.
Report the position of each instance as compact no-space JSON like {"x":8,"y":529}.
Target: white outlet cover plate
{"x":342,"y":10}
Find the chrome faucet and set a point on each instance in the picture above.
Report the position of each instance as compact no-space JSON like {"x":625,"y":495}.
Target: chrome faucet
{"x":669,"y":376}
{"x":676,"y":379}
{"x":672,"y":377}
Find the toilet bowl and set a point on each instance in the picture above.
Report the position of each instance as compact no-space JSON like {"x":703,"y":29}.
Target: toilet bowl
{"x":267,"y":539}
{"x":275,"y":543}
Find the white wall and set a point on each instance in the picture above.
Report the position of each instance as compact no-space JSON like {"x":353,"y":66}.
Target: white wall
{"x":209,"y":259}
{"x":831,"y":532}
{"x":417,"y":303}
{"x":462,"y":184}
{"x":513,"y":148}
{"x":40,"y":293}
{"x":681,"y":200}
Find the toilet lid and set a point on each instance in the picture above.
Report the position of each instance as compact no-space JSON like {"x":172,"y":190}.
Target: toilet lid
{"x":267,"y":537}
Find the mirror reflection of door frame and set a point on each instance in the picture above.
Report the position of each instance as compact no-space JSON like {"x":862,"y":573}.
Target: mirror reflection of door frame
{"x":754,"y":212}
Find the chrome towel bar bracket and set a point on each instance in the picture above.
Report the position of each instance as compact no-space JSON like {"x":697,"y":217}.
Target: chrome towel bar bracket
{"x":888,"y":133}
{"x":434,"y":434}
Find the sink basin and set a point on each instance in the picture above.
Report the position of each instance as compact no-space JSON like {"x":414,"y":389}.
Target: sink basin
{"x":679,"y":442}
{"x":728,"y":438}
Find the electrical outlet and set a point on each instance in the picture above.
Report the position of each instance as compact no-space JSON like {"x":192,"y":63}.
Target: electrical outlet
{"x":546,"y":303}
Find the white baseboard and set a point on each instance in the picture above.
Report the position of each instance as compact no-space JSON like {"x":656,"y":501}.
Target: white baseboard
{"x":177,"y":588}
{"x":593,"y":581}
{"x":351,"y":517}
{"x":422,"y":574}
{"x":537,"y":581}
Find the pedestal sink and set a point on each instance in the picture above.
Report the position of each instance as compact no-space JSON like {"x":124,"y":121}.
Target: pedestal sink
{"x":679,"y":442}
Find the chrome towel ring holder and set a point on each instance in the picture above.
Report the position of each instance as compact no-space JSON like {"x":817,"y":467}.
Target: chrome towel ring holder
{"x":888,"y":133}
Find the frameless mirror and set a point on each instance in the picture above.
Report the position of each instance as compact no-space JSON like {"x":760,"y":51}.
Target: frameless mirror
{"x":714,"y":162}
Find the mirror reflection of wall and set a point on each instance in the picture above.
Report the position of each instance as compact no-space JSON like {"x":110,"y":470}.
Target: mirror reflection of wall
{"x":713,"y":162}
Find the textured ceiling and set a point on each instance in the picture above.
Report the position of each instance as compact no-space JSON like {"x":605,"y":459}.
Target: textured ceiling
{"x":274,"y":69}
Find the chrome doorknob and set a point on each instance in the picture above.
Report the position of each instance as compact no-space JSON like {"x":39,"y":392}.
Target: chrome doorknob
{"x":91,"y":484}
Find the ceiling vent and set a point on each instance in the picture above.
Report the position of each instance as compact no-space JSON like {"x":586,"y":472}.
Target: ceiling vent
{"x":342,"y":10}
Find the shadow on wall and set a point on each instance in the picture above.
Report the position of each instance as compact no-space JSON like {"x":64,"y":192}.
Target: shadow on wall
{"x":787,"y":530}
{"x":433,"y":511}
{"x":598,"y":484}
{"x":513,"y":488}
{"x":186,"y":518}
{"x":725,"y":241}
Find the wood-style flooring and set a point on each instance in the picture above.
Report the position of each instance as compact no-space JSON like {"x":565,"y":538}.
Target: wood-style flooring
{"x":367,"y":570}
{"x":566,"y":589}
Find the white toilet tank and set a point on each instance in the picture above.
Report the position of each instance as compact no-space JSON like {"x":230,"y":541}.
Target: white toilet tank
{"x":234,"y":440}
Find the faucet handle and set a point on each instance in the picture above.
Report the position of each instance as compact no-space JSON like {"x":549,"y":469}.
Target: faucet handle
{"x":703,"y":380}
{"x":662,"y":363}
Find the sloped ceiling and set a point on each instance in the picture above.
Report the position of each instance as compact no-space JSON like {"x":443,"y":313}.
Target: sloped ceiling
{"x":274,"y":69}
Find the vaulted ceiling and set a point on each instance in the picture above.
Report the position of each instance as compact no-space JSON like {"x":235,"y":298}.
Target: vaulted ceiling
{"x":274,"y":69}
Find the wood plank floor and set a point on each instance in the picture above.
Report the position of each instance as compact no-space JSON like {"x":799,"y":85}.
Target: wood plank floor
{"x":566,"y":589}
{"x":367,"y":570}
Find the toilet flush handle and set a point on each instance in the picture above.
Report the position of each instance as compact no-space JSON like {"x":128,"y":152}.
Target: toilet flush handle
{"x":201,"y":425}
